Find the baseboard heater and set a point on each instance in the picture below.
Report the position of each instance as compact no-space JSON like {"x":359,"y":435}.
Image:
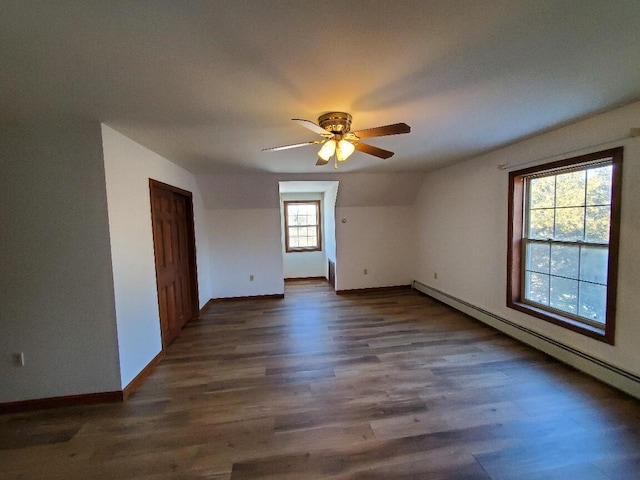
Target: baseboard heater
{"x":603,"y":371}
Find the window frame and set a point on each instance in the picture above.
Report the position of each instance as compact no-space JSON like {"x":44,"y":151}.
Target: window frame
{"x":516,"y":256}
{"x":288,"y":247}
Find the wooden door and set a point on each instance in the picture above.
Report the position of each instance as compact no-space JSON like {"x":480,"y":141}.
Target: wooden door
{"x":174,"y":248}
{"x":332,"y":274}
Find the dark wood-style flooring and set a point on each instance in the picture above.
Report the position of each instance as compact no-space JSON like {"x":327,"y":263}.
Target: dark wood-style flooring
{"x":386,"y":385}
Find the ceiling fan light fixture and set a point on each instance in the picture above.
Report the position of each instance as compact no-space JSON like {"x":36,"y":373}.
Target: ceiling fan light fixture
{"x":344,"y":150}
{"x":327,"y":150}
{"x":339,"y":142}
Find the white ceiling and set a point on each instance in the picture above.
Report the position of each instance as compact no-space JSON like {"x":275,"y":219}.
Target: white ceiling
{"x":208,"y":84}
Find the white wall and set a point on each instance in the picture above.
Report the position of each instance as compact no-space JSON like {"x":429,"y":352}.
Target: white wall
{"x":304,"y":264}
{"x":462,"y":230}
{"x":379,"y":239}
{"x":128,"y":167}
{"x":380,"y":203}
{"x":56,"y":291}
{"x":245,"y":242}
{"x":329,"y":216}
{"x":248,"y":242}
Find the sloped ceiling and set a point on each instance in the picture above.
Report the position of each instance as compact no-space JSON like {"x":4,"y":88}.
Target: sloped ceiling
{"x":243,"y":191}
{"x":208,"y":84}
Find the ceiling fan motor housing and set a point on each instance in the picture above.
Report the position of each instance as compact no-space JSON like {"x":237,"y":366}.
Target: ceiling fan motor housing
{"x":335,"y":122}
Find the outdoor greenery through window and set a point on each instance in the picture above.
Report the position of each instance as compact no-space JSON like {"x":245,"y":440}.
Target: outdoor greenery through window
{"x":564,"y":250}
{"x":302,"y":226}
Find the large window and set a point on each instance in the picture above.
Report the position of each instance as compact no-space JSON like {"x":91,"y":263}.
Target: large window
{"x":302,"y":226}
{"x":563,"y":242}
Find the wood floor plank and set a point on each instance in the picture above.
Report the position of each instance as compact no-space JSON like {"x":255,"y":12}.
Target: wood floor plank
{"x":367,"y":386}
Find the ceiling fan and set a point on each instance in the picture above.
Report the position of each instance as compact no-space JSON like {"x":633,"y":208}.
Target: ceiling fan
{"x":339,"y":142}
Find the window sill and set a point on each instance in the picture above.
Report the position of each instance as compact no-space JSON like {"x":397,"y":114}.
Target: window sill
{"x":597,"y":333}
{"x":302,"y":250}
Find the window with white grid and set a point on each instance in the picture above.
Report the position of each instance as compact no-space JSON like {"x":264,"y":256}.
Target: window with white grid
{"x":563,"y":255}
{"x":302,"y":226}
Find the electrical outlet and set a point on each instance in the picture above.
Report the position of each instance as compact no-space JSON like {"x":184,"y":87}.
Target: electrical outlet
{"x":365,"y":271}
{"x":251,"y":278}
{"x":18,"y":359}
{"x":435,"y":275}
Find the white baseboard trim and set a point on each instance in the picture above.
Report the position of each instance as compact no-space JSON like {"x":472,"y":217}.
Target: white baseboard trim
{"x":603,"y":371}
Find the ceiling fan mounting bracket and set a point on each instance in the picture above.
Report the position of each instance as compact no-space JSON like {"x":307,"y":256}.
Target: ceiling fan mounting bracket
{"x":335,"y":122}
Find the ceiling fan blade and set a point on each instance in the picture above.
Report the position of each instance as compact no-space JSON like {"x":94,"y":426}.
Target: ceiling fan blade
{"x":312,"y":126}
{"x":321,"y":161}
{"x":295,"y":145}
{"x":394,"y":129}
{"x":371,"y":150}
